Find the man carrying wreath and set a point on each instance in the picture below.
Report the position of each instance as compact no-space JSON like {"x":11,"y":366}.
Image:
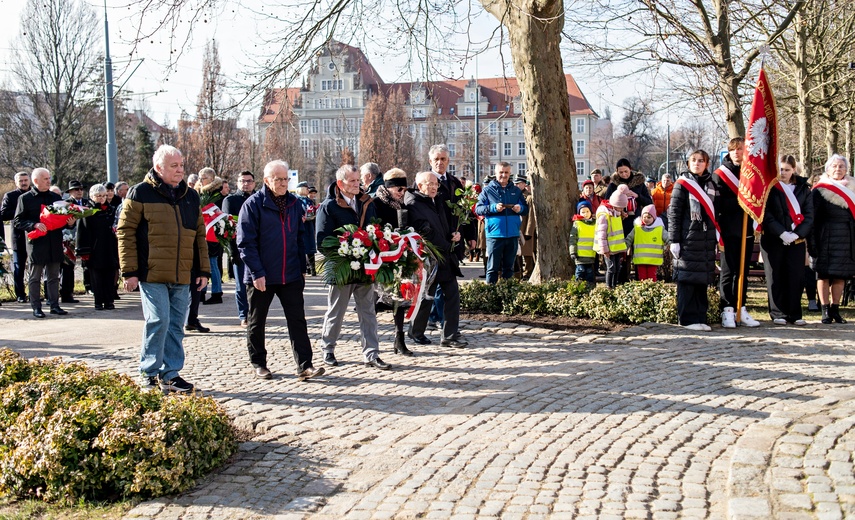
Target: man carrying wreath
{"x":45,"y":252}
{"x":346,"y":204}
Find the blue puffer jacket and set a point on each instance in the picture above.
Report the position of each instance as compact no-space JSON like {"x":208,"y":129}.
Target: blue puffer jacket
{"x":270,"y":242}
{"x":505,"y":223}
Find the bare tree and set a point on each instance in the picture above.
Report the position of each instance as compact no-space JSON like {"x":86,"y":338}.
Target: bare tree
{"x":385,"y":136}
{"x":282,"y":139}
{"x":638,"y":134}
{"x":216,"y":122}
{"x":52,"y":118}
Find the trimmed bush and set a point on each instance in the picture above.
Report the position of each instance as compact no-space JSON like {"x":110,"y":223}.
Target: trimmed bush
{"x":68,"y":432}
{"x":633,"y":302}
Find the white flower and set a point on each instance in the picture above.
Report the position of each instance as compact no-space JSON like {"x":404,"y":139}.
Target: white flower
{"x":355,"y":265}
{"x":356,"y":242}
{"x":370,"y":229}
{"x":343,"y":250}
{"x":388,"y":234}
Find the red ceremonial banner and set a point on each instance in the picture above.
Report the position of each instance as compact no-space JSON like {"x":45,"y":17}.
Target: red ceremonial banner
{"x":759,"y":170}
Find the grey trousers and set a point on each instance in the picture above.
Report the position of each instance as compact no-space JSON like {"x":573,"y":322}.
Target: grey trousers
{"x":34,"y":283}
{"x":337,"y":301}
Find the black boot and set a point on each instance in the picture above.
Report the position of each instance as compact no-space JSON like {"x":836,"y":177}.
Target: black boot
{"x":826,"y":319}
{"x":834,"y":313}
{"x":216,"y":297}
{"x":400,"y":346}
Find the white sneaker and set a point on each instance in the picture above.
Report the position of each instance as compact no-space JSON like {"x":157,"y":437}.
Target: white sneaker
{"x":800,"y":323}
{"x":779,"y":321}
{"x":728,"y":318}
{"x":747,"y":320}
{"x":703,"y":327}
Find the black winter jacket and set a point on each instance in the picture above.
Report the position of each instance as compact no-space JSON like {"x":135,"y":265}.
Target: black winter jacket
{"x":429,"y":220}
{"x":18,"y":240}
{"x":335,"y":213}
{"x":728,"y":213}
{"x":389,"y":214}
{"x":777,"y":217}
{"x":43,"y":250}
{"x":96,"y":238}
{"x":697,"y":239}
{"x":467,"y":231}
{"x":832,"y":243}
{"x":232,"y":205}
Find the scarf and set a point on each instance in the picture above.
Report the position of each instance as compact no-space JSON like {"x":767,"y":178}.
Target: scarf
{"x":384,"y":195}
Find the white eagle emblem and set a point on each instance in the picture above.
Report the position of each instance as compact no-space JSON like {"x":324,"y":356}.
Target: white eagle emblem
{"x":758,"y":139}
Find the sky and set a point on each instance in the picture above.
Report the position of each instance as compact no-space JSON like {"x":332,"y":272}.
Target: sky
{"x":165,"y":93}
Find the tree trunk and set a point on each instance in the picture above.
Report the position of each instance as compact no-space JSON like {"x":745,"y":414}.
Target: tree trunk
{"x":805,"y":115}
{"x":832,"y":133}
{"x":534,"y":30}
{"x":733,"y":110}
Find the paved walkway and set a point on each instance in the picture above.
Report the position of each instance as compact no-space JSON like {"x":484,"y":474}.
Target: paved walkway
{"x":650,"y":422}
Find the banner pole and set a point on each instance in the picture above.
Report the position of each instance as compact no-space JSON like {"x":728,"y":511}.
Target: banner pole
{"x":741,"y":284}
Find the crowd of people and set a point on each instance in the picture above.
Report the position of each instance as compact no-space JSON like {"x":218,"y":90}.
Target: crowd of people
{"x":153,"y":238}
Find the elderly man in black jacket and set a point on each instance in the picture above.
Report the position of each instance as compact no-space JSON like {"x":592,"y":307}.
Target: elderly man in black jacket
{"x":429,"y":219}
{"x":18,"y":243}
{"x":44,"y":253}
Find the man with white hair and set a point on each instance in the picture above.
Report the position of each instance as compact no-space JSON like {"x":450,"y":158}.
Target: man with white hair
{"x":372,"y":177}
{"x":347,"y":204}
{"x":18,"y":242}
{"x":161,"y":240}
{"x":44,"y":253}
{"x":270,"y":242}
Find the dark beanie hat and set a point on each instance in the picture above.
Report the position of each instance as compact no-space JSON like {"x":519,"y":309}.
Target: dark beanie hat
{"x":583,"y":204}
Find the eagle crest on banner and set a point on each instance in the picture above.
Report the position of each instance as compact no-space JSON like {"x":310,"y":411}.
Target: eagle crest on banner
{"x":758,"y":139}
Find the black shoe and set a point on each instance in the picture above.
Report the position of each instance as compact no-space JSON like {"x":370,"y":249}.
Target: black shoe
{"x":379,"y":363}
{"x":38,"y":313}
{"x":176,"y":384}
{"x":214,"y":299}
{"x":148,"y":383}
{"x":22,"y":299}
{"x":435,"y":325}
{"x":116,"y":297}
{"x":197,"y":327}
{"x":454,"y":343}
{"x":826,"y":315}
{"x":69,"y":300}
{"x":834,"y":313}
{"x":421,"y":340}
{"x":401,"y":347}
{"x":99,"y":306}
{"x":57,"y":310}
{"x":310,"y":373}
{"x":813,"y":306}
{"x":329,"y":359}
{"x":109,"y":306}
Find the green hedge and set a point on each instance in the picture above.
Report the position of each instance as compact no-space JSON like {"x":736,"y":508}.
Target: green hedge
{"x":633,"y":302}
{"x":68,"y":432}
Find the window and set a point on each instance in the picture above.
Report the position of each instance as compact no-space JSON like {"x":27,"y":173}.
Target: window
{"x":418,"y":112}
{"x":494,"y":149}
{"x":471,"y":96}
{"x":521,"y":148}
{"x":493,"y":128}
{"x":580,"y":147}
{"x":339,"y":126}
{"x":452,"y":168}
{"x":520,"y":129}
{"x":521,"y":168}
{"x":332,"y":84}
{"x":508,"y":126}
{"x":316,"y":148}
{"x":452,"y":129}
{"x":580,"y":125}
{"x":452,"y":149}
{"x":316,"y":126}
{"x":412,"y":130}
{"x":351,"y":124}
{"x":304,"y":145}
{"x":469,"y":111}
{"x":465,"y":128}
{"x":507,"y":149}
{"x":422,"y":130}
{"x":327,"y":126}
{"x":580,"y":169}
{"x":304,"y":126}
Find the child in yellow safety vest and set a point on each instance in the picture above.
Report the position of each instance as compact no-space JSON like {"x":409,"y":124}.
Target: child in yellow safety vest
{"x":582,"y":242}
{"x":608,"y":235}
{"x":647,"y":240}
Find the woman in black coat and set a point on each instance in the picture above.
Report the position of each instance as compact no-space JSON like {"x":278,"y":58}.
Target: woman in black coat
{"x":783,"y":243}
{"x":98,"y":248}
{"x":832,"y":244}
{"x":693,"y":242}
{"x":390,"y":209}
{"x":638,"y":197}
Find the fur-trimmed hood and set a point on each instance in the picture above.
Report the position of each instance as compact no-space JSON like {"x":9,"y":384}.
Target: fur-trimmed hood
{"x":215,"y":186}
{"x":635,"y":179}
{"x":833,"y":198}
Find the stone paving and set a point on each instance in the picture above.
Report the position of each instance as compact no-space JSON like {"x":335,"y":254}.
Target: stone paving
{"x":649,"y":422}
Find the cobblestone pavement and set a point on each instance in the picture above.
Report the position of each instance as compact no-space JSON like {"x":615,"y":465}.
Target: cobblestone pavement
{"x":649,"y":422}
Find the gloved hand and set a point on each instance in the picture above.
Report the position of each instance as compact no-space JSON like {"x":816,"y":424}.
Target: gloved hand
{"x":675,"y":250}
{"x":788,"y":237}
{"x":573,"y":257}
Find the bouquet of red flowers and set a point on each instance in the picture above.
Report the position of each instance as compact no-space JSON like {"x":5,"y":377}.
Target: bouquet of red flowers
{"x":56,"y":216}
{"x":219,"y":226}
{"x":398,"y":263}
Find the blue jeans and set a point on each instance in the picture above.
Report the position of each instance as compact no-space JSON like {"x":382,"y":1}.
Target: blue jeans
{"x":165,"y":307}
{"x":436,"y":309}
{"x":585,"y":272}
{"x":216,"y":276}
{"x":501,"y":253}
{"x":240,"y":290}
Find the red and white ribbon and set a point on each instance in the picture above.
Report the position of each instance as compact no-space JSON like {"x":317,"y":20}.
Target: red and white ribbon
{"x":695,"y":191}
{"x":793,"y":205}
{"x":729,"y":178}
{"x":211,"y":214}
{"x":838,"y":188}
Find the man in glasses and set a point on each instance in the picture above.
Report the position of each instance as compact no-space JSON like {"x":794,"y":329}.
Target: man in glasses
{"x":232,"y":205}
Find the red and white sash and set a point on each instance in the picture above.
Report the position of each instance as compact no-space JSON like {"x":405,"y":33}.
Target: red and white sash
{"x":793,"y":205}
{"x":729,"y":178}
{"x":700,"y":195}
{"x":838,"y":188}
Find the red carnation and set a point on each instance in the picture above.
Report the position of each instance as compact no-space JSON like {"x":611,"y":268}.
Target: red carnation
{"x":362,"y":236}
{"x":383,"y":244}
